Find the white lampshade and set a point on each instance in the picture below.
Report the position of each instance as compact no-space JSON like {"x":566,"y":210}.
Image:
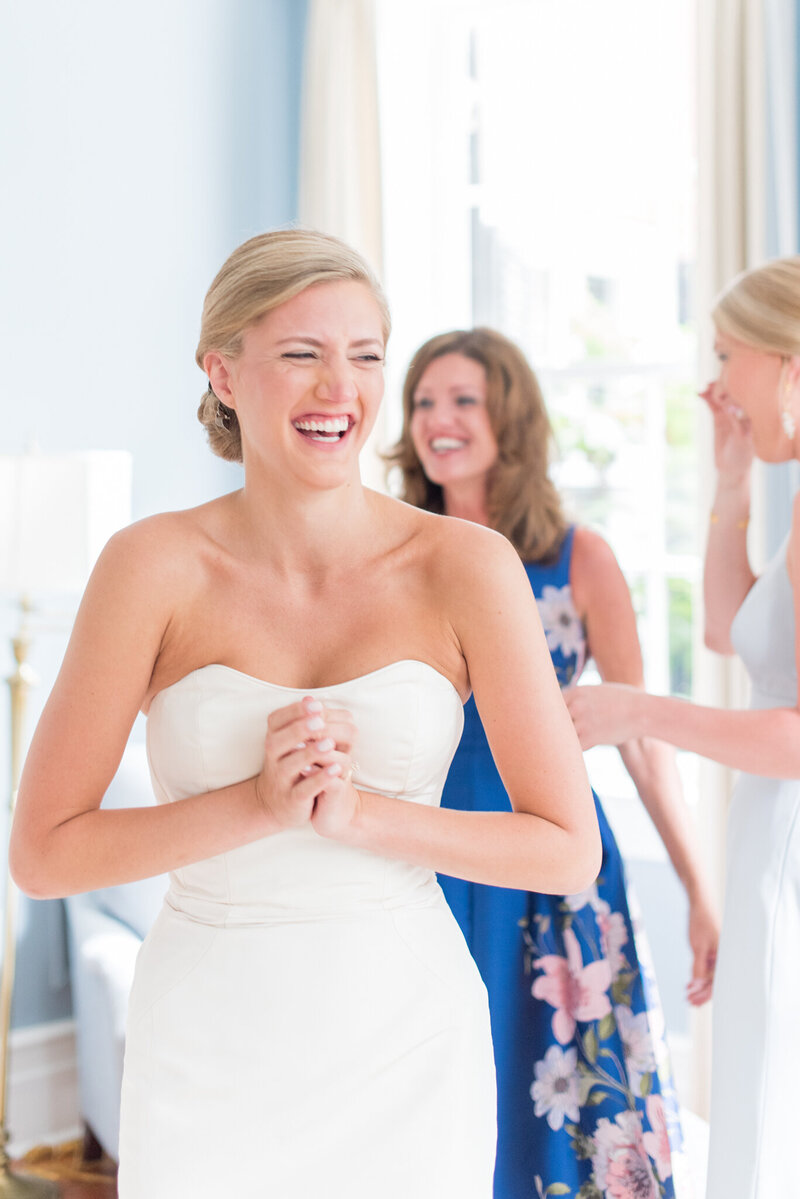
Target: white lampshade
{"x":56,"y":513}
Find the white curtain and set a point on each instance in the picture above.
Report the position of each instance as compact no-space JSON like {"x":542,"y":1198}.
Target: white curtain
{"x":340,"y":175}
{"x":748,"y":196}
{"x":340,"y":167}
{"x":731,"y":194}
{"x":732,"y":102}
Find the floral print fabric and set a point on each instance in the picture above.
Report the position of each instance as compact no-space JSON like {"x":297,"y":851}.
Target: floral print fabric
{"x":586,"y":1106}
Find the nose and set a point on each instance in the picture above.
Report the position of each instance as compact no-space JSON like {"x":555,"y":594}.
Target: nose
{"x":337,"y":383}
{"x":720,"y":389}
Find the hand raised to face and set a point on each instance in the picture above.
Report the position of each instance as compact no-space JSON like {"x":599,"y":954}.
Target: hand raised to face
{"x":733,"y":442}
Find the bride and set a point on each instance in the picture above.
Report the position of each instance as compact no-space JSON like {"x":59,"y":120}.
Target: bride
{"x":305,"y":1018}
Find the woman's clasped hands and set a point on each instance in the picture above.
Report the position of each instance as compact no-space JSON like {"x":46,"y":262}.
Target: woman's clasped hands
{"x":307,"y":771}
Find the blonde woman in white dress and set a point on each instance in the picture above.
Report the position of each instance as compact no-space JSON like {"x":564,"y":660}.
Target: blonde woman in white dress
{"x":756,"y":1029}
{"x":305,"y":1020}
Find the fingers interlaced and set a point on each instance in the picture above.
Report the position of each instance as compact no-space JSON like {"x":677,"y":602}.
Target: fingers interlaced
{"x":310,"y":720}
{"x":309,"y":746}
{"x":282,"y":717}
{"x":341,"y":727}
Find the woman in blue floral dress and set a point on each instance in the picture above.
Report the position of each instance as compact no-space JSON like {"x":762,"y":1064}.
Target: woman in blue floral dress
{"x":586,"y":1106}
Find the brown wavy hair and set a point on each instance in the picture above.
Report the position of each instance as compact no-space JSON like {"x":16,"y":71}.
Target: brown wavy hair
{"x":523,"y":503}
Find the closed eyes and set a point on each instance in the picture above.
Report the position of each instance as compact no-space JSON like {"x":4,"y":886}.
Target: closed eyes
{"x":309,"y":355}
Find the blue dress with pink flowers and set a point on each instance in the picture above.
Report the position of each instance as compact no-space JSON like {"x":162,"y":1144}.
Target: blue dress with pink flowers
{"x":586,"y":1105}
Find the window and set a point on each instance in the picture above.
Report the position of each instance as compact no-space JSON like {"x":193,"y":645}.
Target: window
{"x":540,"y":177}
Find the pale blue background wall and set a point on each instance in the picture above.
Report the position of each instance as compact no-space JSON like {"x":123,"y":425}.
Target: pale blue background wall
{"x":781,"y":482}
{"x":139,"y":143}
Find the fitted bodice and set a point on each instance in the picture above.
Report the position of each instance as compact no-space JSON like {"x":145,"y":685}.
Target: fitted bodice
{"x":763,"y":635}
{"x":305,"y":1018}
{"x":207,"y":731}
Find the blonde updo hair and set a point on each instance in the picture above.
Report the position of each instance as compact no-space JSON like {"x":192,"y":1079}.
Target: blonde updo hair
{"x":523,"y":502}
{"x":260,"y":275}
{"x":761,"y":307}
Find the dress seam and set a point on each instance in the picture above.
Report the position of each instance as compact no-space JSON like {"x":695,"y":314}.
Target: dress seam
{"x":402,"y":790}
{"x":178,"y":982}
{"x":198,"y":709}
{"x":412,"y":756}
{"x":154,"y":775}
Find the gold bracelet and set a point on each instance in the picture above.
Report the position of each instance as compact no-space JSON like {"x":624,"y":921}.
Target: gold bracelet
{"x":740,"y":524}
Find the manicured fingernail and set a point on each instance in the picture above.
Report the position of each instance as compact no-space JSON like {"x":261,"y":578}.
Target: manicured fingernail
{"x":312,"y":705}
{"x":324,"y":746}
{"x":315,"y":723}
{"x":335,"y":768}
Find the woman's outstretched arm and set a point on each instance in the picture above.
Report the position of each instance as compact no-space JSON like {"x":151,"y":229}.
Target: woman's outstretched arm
{"x":761,"y":742}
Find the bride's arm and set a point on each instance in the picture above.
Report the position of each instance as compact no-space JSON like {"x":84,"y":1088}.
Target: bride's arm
{"x":550,"y":842}
{"x":61,"y":841}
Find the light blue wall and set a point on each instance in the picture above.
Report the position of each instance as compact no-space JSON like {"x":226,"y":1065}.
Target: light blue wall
{"x":781,"y":482}
{"x":139,"y":143}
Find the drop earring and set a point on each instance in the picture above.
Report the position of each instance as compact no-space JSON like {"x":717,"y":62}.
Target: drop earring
{"x":789,"y":424}
{"x":788,"y":421}
{"x":222,"y":418}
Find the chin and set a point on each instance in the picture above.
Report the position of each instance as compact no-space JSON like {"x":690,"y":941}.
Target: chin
{"x":445,"y":472}
{"x":773,"y":454}
{"x":438,"y":478}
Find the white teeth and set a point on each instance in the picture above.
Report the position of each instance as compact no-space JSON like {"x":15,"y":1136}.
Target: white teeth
{"x":440,"y":444}
{"x":336,"y":424}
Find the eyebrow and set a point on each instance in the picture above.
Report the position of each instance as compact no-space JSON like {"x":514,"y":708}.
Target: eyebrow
{"x":313,"y":341}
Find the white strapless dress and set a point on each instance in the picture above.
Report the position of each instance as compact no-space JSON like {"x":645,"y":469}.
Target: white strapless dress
{"x":306,"y":1021}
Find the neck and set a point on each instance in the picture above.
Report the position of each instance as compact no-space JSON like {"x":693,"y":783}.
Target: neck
{"x":303,"y":530}
{"x":467,"y":501}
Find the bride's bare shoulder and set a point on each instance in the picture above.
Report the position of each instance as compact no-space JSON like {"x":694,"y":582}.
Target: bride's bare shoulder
{"x":169,"y":543}
{"x":455,"y":550}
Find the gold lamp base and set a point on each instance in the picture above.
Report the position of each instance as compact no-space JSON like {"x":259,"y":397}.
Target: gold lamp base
{"x":18,"y":1186}
{"x":15,"y":1186}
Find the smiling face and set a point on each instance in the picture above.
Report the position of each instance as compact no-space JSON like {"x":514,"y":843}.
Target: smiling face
{"x":751,"y":382}
{"x":307,"y":383}
{"x":450,"y":424}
